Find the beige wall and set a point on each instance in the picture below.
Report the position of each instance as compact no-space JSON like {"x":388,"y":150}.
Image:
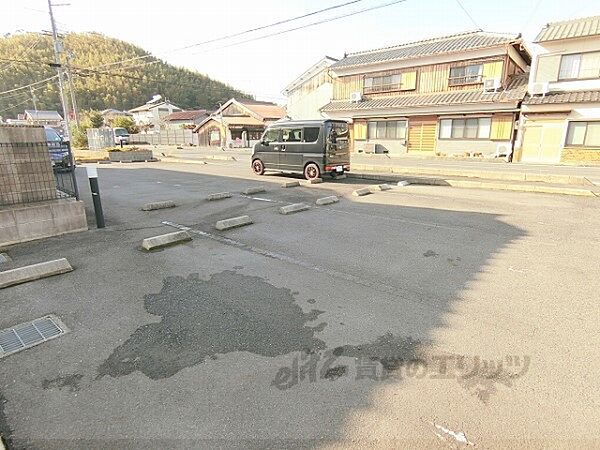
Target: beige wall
{"x":456,"y":146}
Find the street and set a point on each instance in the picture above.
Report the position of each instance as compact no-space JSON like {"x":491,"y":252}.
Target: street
{"x":419,"y":317}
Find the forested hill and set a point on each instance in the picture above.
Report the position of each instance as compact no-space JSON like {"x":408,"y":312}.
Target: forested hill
{"x":24,"y":60}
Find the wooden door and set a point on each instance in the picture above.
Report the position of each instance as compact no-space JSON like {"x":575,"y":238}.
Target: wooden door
{"x":542,"y":141}
{"x":421,"y":134}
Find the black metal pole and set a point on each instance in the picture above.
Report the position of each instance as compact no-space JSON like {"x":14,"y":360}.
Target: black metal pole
{"x":95,"y":188}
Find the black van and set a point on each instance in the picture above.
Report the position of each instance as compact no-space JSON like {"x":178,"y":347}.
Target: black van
{"x":311,"y":147}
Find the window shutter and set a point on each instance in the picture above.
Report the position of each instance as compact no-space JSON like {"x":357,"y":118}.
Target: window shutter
{"x":409,"y":81}
{"x":360,"y":131}
{"x":492,"y":70}
{"x":501,"y":127}
{"x":547,"y":68}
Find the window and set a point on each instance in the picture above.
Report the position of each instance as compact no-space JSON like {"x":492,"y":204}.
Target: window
{"x":291,"y":135}
{"x":271,"y":135}
{"x":580,"y":65}
{"x":473,"y":128}
{"x":311,"y":134}
{"x":387,"y":129}
{"x":388,"y":83}
{"x":465,"y":74}
{"x":583,"y":134}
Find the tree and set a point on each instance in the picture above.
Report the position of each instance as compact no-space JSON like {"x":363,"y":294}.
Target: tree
{"x":96,"y":119}
{"x":124,"y":122}
{"x":112,"y":86}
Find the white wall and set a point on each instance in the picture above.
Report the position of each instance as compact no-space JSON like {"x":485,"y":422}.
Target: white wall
{"x":549,"y":49}
{"x":306,"y":106}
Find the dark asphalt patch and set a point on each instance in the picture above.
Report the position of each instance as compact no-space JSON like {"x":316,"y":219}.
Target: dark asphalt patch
{"x":230,"y":312}
{"x":391,"y":351}
{"x":70,"y":381}
{"x":333,"y":373}
{"x":5,"y":430}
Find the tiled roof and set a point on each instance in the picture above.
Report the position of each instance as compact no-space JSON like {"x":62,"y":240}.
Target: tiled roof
{"x":232,"y":120}
{"x":563,"y":97}
{"x":149,"y":106}
{"x":266,"y":110}
{"x":448,"y":44}
{"x":568,"y":29}
{"x":43,"y":115}
{"x":186,"y":115}
{"x":515,"y":92}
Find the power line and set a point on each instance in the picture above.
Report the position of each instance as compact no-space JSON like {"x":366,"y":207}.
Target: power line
{"x":537,"y":5}
{"x":312,"y":24}
{"x":468,"y":15}
{"x":14,"y":106}
{"x":281,"y":22}
{"x":28,"y":85}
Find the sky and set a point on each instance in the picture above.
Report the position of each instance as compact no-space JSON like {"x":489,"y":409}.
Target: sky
{"x":263,"y":67}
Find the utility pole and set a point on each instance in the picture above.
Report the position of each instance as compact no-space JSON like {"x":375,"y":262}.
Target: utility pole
{"x":59,"y":70}
{"x":72,"y":88}
{"x":34,"y":98}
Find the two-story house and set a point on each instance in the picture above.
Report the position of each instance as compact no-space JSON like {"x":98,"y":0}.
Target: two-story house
{"x":312,"y":90}
{"x":457,"y":94}
{"x":560,"y":118}
{"x":151,"y":114}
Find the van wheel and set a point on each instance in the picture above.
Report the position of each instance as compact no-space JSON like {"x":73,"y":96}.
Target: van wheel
{"x":311,"y":171}
{"x":258,"y":167}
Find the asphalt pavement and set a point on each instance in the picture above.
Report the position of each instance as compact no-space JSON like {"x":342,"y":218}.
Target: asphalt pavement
{"x":419,"y":317}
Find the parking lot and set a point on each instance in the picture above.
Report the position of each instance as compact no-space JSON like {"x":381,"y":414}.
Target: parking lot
{"x":409,"y":316}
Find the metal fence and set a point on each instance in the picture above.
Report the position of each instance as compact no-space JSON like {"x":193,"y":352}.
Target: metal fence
{"x":28,"y":176}
{"x":99,"y":138}
{"x":165,"y":137}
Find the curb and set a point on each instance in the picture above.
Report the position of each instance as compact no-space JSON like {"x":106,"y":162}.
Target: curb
{"x":184,"y":161}
{"x":484,"y":174}
{"x":293,"y":208}
{"x":473,"y":184}
{"x":218,"y":196}
{"x":234,"y":222}
{"x":327,"y":200}
{"x":165,"y":240}
{"x":158,"y":205}
{"x":34,"y":272}
{"x":253,"y":190}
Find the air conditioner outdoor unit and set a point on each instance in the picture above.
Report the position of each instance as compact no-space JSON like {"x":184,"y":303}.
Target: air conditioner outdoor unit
{"x":492,"y":84}
{"x":370,"y":147}
{"x":539,"y":89}
{"x":355,"y":97}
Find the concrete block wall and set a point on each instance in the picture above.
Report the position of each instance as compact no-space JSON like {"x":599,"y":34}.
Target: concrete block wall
{"x":25,"y":169}
{"x":39,"y":220}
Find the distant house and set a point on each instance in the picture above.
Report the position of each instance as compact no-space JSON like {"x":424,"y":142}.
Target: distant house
{"x":238,"y":123}
{"x":111,"y":113}
{"x":36,"y":117}
{"x":560,"y":116}
{"x":151,"y":114}
{"x":310,"y":91}
{"x":185,"y":119}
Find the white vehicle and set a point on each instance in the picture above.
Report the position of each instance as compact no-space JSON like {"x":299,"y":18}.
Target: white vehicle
{"x":121,"y":136}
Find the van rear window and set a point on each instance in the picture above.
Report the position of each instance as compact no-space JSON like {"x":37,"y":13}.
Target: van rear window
{"x":311,"y":134}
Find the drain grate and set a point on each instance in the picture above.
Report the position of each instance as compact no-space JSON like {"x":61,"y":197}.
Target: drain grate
{"x":26,"y":335}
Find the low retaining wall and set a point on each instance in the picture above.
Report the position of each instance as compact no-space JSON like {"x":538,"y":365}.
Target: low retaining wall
{"x":23,"y":223}
{"x":580,"y":155}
